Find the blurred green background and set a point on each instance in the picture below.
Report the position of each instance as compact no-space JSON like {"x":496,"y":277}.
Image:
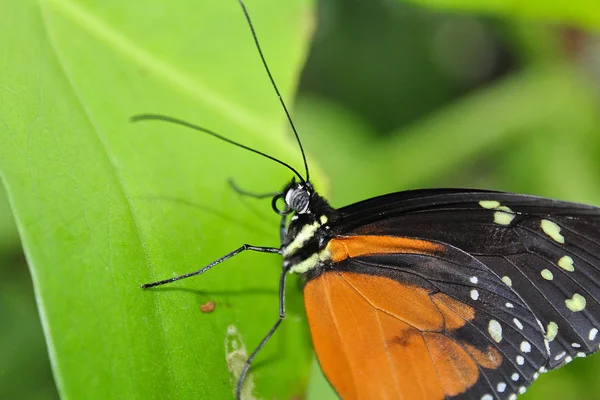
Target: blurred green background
{"x":396,"y":96}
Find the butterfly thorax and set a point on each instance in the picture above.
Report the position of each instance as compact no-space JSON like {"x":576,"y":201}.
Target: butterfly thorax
{"x":309,"y":230}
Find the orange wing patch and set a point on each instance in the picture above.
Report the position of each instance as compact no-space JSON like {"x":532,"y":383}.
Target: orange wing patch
{"x":379,"y":339}
{"x":354,"y":246}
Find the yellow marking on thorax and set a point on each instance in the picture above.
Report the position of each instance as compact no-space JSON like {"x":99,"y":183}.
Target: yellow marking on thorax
{"x":311,"y":262}
{"x":307,"y":233}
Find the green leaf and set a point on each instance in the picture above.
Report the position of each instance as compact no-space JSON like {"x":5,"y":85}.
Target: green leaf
{"x":579,"y":12}
{"x":103,"y":206}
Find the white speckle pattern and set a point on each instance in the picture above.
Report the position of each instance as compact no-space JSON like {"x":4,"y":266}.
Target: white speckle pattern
{"x":561,"y":355}
{"x":536,"y":375}
{"x":525,"y":347}
{"x":522,"y":389}
{"x":520,"y":360}
{"x":576,"y":345}
{"x":580,"y":354}
{"x":474,"y":279}
{"x":509,"y":305}
{"x":592,"y":334}
{"x":566,"y":263}
{"x":547,"y":274}
{"x":576,"y":303}
{"x":507,"y":280}
{"x":518,"y":323}
{"x":568,"y":359}
{"x":501,"y":387}
{"x":552,"y":230}
{"x":487,"y":397}
{"x":542,"y":370}
{"x":514,"y":377}
{"x":495,"y":330}
{"x":474,"y":294}
{"x":512,"y":397}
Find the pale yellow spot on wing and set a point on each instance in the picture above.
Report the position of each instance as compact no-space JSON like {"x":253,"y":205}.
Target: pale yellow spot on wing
{"x":547,"y":274}
{"x":489,"y":204}
{"x":552,"y":230}
{"x":566,"y":263}
{"x":551,"y":331}
{"x":576,"y":303}
{"x":503,"y":218}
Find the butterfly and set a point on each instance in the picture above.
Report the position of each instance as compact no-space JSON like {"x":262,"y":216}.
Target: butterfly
{"x":435,"y":293}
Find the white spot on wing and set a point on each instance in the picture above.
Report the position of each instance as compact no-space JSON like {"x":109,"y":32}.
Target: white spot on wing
{"x":514,"y":377}
{"x":518,"y":323}
{"x":474,"y":294}
{"x":520,"y":360}
{"x":525,"y":346}
{"x":593,"y":333}
{"x":509,"y":305}
{"x":495,"y":330}
{"x":507,"y":280}
{"x":501,"y":387}
{"x":560,"y":355}
{"x":474,"y":279}
{"x":487,"y":397}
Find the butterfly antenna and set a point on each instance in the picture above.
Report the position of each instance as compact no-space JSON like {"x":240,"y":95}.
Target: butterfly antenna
{"x":264,"y":61}
{"x":166,"y":118}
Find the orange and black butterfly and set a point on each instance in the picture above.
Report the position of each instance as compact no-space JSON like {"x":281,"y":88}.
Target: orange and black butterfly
{"x":436,"y":294}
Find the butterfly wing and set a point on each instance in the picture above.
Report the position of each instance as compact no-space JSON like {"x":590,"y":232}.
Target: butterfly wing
{"x":426,"y":323}
{"x":409,"y":326}
{"x":548,"y":250}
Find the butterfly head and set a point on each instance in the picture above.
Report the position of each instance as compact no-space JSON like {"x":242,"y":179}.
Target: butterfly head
{"x":297,"y":198}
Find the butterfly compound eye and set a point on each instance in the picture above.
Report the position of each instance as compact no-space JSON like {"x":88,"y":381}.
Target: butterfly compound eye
{"x":298,"y":199}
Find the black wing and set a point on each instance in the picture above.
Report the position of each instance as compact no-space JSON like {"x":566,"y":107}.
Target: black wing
{"x":546,"y":251}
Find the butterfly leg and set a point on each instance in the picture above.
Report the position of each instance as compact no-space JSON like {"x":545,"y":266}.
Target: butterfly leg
{"x":245,"y":247}
{"x":240,"y":383}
